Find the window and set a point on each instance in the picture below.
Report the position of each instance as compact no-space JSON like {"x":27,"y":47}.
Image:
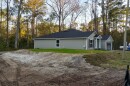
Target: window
{"x":91,"y":43}
{"x":57,"y":43}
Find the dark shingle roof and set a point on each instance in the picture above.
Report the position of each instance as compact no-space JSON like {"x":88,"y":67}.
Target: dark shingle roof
{"x":105,"y":37}
{"x":96,"y":35}
{"x":71,"y":33}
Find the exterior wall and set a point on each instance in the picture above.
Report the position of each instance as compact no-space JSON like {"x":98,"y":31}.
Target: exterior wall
{"x":109,"y":40}
{"x":103,"y":45}
{"x":97,"y":44}
{"x":73,"y":43}
{"x":79,"y":43}
{"x":45,"y":43}
{"x":91,"y":37}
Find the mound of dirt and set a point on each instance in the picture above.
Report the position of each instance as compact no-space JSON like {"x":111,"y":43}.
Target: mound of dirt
{"x":26,"y":68}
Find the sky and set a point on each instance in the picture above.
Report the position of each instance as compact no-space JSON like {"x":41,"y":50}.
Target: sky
{"x":81,"y":18}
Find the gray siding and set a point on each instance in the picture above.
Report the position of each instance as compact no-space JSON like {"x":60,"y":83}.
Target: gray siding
{"x":45,"y":43}
{"x":103,"y":44}
{"x":91,"y":37}
{"x":73,"y":43}
{"x":79,"y":43}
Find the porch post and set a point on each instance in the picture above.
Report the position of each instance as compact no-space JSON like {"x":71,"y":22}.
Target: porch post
{"x":111,"y":45}
{"x":96,"y":44}
{"x":86,"y":43}
{"x":99,"y":43}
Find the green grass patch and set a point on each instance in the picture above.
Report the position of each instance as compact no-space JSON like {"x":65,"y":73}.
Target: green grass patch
{"x":109,"y":60}
{"x":105,"y":59}
{"x":73,"y":51}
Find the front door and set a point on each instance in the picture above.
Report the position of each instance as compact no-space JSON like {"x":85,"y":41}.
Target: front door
{"x":108,"y":46}
{"x":97,"y":43}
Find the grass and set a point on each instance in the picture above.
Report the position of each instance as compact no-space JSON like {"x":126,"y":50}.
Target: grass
{"x":71,"y":51}
{"x":105,"y":59}
{"x":109,"y":60}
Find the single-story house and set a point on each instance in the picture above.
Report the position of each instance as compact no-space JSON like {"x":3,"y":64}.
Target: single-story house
{"x":74,"y":39}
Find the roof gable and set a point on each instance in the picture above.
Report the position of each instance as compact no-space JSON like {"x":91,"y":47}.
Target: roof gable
{"x":71,"y":33}
{"x":105,"y":37}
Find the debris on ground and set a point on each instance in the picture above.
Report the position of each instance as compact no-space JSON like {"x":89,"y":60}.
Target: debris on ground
{"x":26,"y":68}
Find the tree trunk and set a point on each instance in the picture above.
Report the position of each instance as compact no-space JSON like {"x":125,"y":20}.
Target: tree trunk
{"x":27,"y":35}
{"x":103,"y":18}
{"x":7,"y":29}
{"x":1,"y":19}
{"x":33,"y":26}
{"x":125,"y":32}
{"x":95,"y":17}
{"x":18,"y":26}
{"x":62,"y":24}
{"x":36,"y":28}
{"x":60,"y":20}
{"x":71,"y":21}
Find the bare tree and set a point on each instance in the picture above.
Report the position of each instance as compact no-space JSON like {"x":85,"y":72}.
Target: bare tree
{"x":62,"y":9}
{"x":92,"y":5}
{"x":76,"y":12}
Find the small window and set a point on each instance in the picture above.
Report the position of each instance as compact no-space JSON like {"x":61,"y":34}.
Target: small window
{"x":57,"y":43}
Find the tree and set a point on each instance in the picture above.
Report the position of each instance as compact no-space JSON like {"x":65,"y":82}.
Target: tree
{"x":125,"y":30}
{"x":1,"y":18}
{"x":93,"y":6}
{"x":103,"y":17}
{"x":18,"y":25}
{"x":45,"y":28}
{"x":35,"y":8}
{"x":75,"y":13}
{"x":114,"y":14}
{"x":62,"y":9}
{"x":7,"y":29}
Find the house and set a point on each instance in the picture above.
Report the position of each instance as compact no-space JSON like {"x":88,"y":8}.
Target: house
{"x":74,"y":39}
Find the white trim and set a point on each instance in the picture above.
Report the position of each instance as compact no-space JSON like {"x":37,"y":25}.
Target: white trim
{"x":96,"y":43}
{"x":105,"y":45}
{"x":111,"y":45}
{"x":92,"y":33}
{"x":110,"y":38}
{"x":98,"y":37}
{"x":100,"y":43}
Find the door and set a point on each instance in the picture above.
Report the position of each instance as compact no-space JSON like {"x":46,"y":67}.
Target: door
{"x":97,"y":43}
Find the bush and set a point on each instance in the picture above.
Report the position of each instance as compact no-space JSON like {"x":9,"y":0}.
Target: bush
{"x":2,"y":44}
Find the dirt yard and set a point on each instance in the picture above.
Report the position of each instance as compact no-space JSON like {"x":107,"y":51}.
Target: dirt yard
{"x":26,"y":68}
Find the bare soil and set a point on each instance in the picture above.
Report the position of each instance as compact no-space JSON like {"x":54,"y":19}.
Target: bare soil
{"x":26,"y":68}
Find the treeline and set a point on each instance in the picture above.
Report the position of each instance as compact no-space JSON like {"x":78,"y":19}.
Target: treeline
{"x":23,"y":20}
